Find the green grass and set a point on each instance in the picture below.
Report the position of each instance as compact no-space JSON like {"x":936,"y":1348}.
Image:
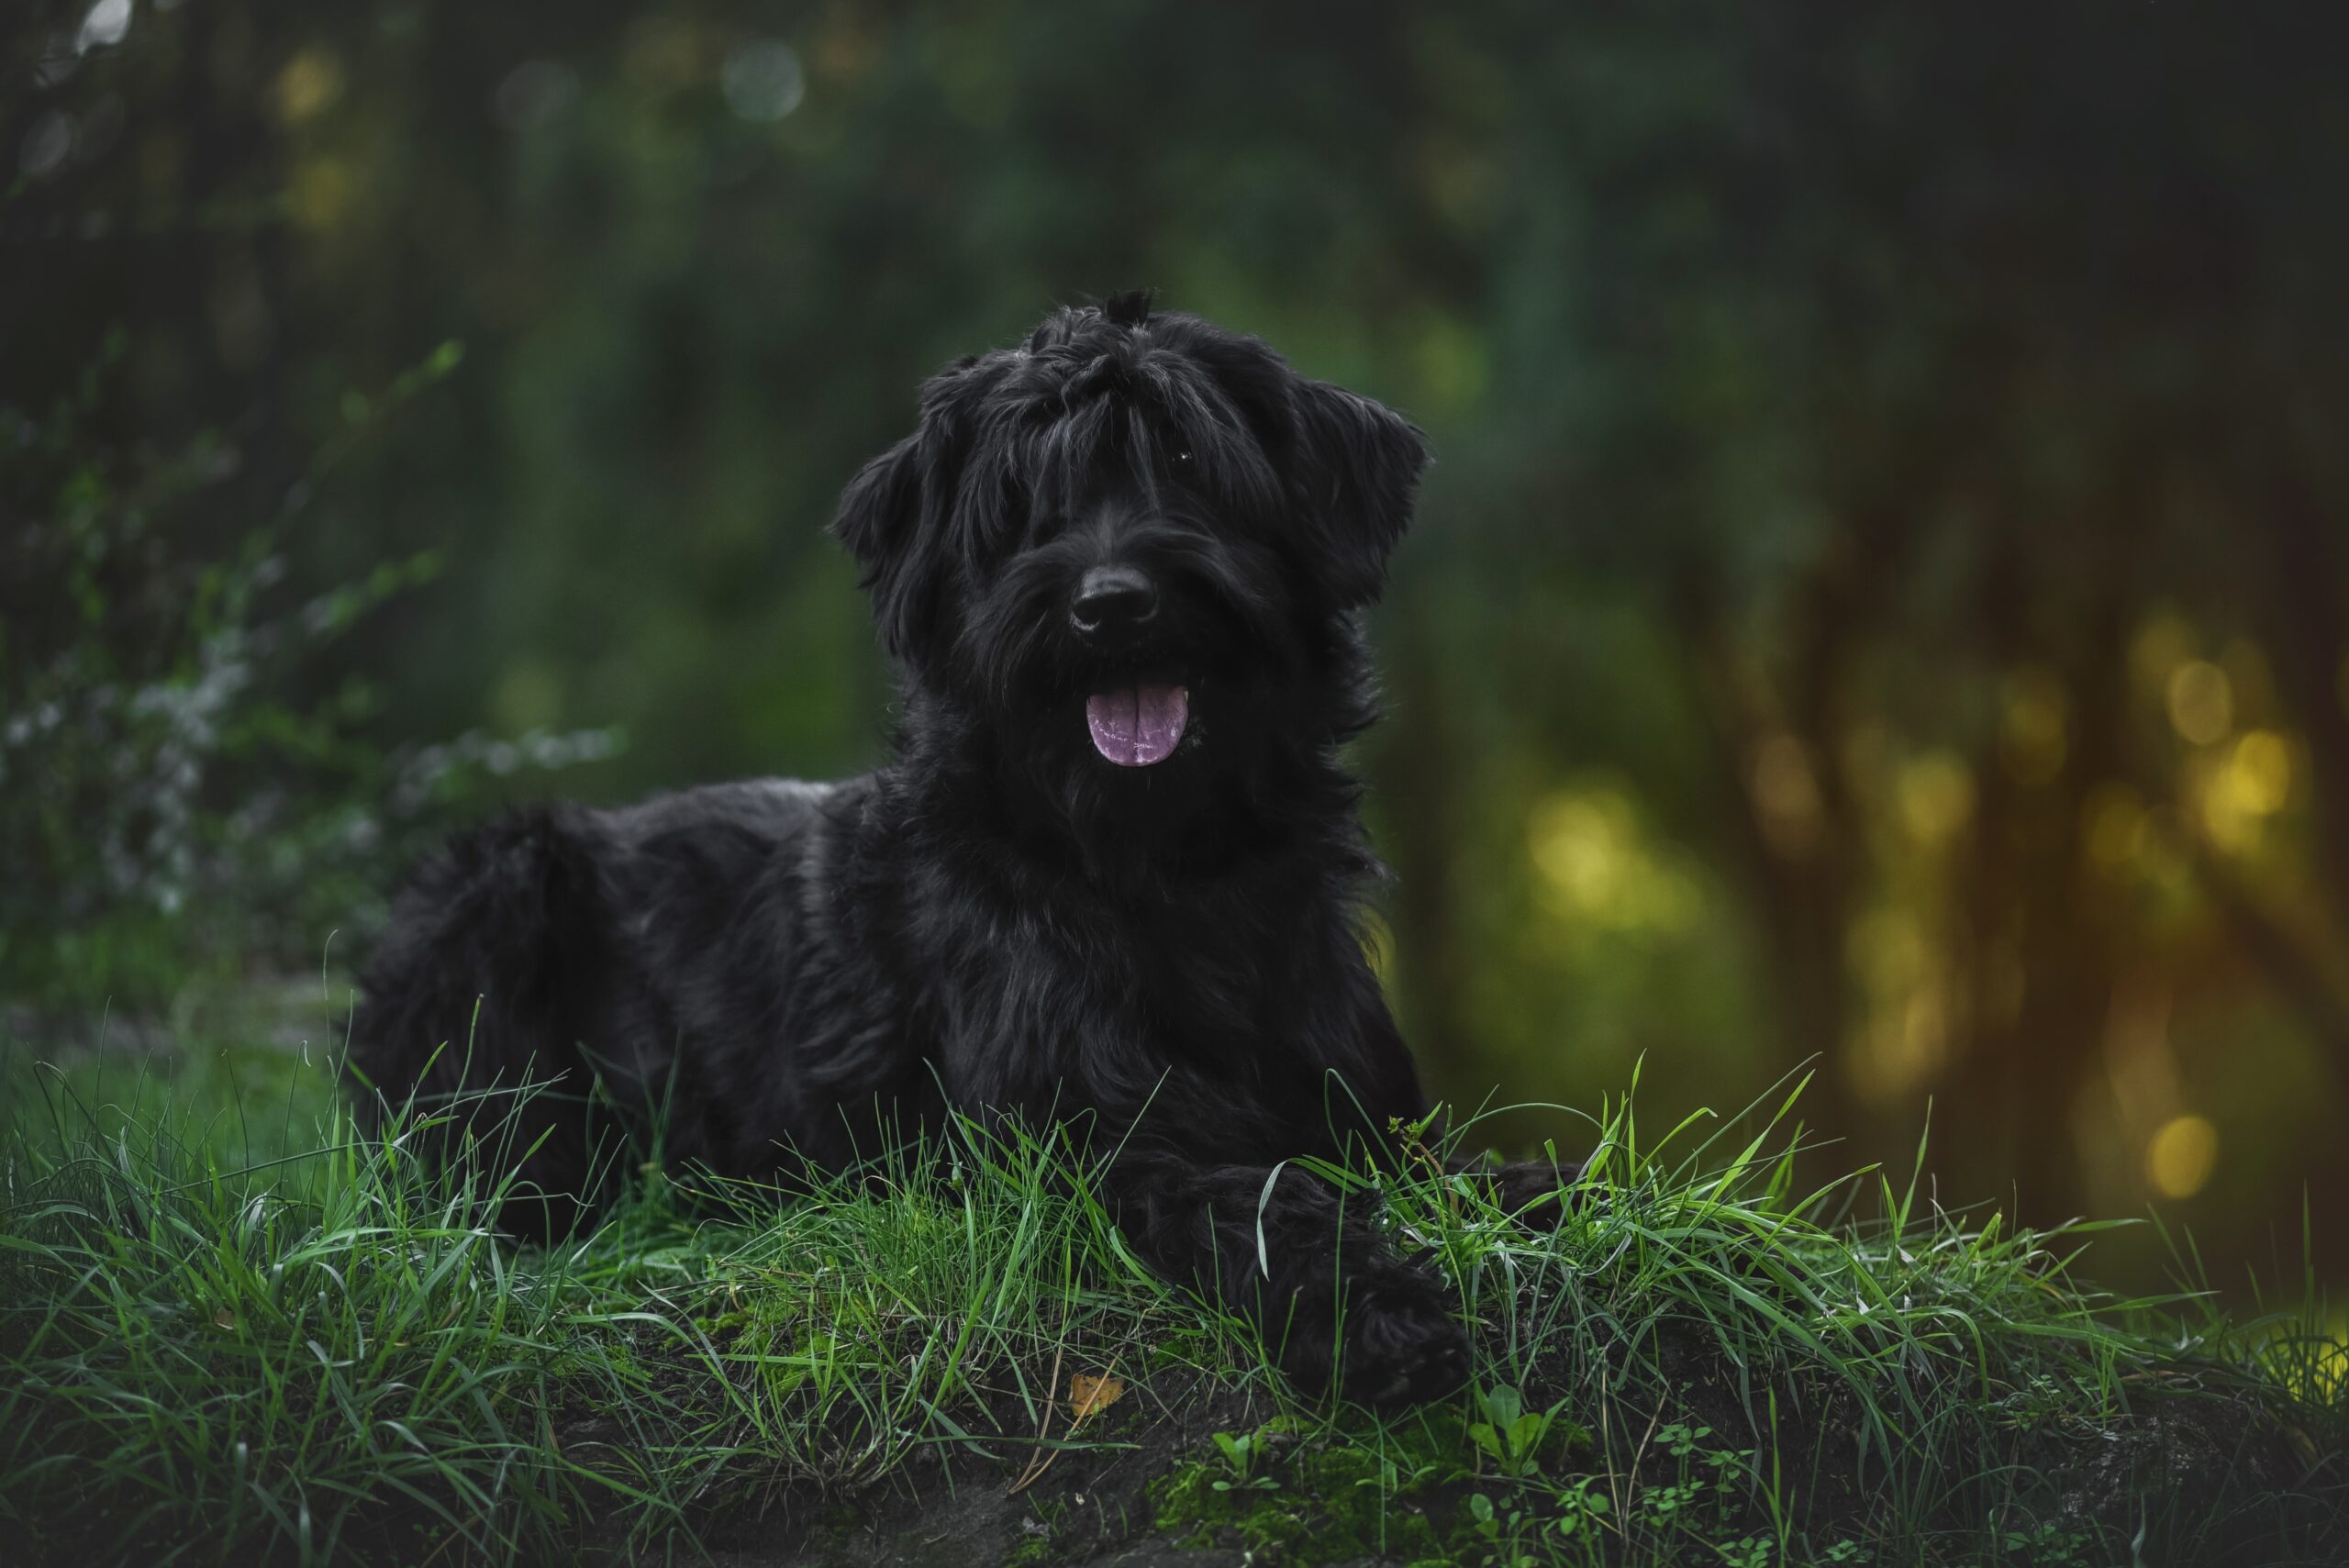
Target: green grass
{"x":233,"y":1328}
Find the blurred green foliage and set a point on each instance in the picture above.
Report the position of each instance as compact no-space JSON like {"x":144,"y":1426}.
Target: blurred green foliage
{"x":164,"y":808}
{"x":1884,"y":593}
{"x":178,"y":804}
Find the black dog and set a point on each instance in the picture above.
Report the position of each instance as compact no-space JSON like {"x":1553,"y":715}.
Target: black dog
{"x":1111,"y":878}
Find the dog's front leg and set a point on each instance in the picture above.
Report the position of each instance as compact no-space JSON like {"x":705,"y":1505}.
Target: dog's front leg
{"x":1343,"y":1311}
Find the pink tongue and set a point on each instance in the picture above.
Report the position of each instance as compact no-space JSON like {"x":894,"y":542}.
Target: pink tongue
{"x":1136,"y":726}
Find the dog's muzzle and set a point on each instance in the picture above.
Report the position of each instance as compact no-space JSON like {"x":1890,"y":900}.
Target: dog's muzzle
{"x":1136,"y":724}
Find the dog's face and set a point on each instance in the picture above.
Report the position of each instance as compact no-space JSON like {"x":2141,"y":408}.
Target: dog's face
{"x":1133,"y":550}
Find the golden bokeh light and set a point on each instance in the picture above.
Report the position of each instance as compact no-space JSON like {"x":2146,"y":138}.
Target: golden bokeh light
{"x":2180,"y":1157}
{"x":2252,"y":785}
{"x":2258,"y":776}
{"x":1904,"y":1037}
{"x":1597,"y":868}
{"x":311,"y":81}
{"x":2201,"y":703}
{"x":1936,"y":796}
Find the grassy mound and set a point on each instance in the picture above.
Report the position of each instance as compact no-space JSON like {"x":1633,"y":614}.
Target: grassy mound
{"x":231,"y":1334}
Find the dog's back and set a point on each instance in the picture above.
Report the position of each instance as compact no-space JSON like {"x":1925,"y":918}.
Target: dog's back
{"x":510,"y":990}
{"x":473,"y":1008}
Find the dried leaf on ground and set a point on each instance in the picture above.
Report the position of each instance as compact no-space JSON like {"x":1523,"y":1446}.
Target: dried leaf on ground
{"x":1088,"y":1396}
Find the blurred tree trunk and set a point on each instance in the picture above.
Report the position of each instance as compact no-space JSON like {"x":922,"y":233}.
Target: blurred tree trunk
{"x":2300,"y":574}
{"x":2016,"y":1071}
{"x":2306,"y":579}
{"x":1797,"y":880}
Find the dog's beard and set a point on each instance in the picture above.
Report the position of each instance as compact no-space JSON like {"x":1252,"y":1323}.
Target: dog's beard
{"x":1138,"y":725}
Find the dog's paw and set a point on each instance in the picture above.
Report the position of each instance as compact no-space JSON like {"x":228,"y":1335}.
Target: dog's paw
{"x":1536,"y":1193}
{"x":1403,"y":1344}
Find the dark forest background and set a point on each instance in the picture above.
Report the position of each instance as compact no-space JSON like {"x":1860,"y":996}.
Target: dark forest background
{"x":1883,"y":596}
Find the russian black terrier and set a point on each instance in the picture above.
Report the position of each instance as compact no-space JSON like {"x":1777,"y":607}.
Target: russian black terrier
{"x":1111,"y":882}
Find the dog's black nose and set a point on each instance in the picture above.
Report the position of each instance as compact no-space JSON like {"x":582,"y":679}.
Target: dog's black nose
{"x":1113,"y":598}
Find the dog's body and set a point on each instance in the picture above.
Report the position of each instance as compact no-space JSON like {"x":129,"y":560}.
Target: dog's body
{"x":1110,"y":880}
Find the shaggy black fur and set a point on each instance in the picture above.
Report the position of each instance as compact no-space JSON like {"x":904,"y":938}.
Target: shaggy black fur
{"x":1165,"y":958}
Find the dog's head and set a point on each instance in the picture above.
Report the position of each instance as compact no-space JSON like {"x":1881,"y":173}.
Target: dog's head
{"x":1133,"y":549}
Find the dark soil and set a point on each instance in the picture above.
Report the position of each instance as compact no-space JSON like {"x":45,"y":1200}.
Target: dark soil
{"x":963,"y":1509}
{"x":2206,"y":1476}
{"x":2196,"y":1474}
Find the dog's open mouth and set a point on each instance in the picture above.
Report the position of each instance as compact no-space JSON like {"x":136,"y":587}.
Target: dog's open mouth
{"x":1136,"y":725}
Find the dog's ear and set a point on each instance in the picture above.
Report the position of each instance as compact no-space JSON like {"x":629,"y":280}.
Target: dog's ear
{"x":880,"y":520}
{"x":895,"y":518}
{"x":1356,"y":476}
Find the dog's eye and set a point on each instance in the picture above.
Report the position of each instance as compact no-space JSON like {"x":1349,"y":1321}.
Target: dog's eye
{"x":1183,"y":457}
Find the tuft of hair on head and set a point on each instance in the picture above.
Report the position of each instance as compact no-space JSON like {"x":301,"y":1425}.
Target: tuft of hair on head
{"x":1130,"y":309}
